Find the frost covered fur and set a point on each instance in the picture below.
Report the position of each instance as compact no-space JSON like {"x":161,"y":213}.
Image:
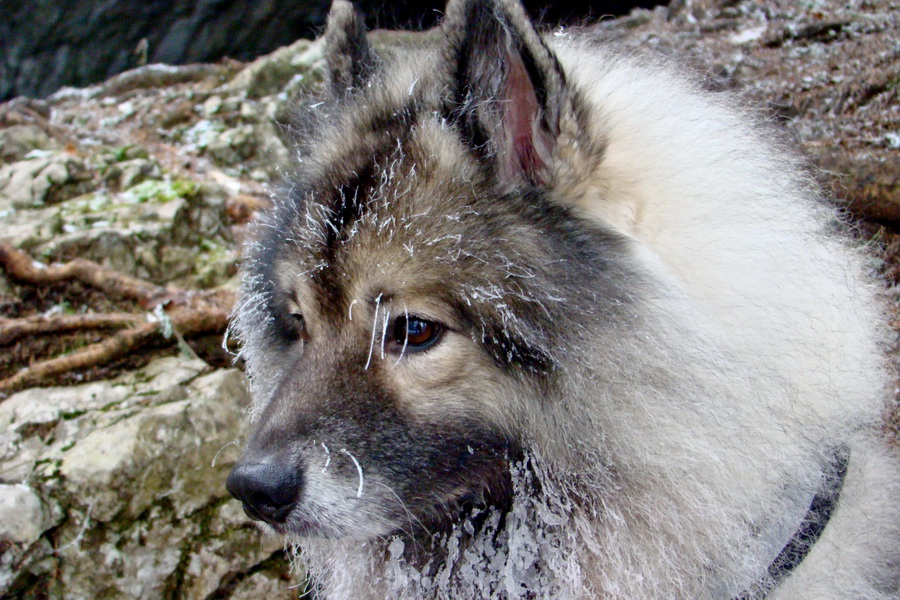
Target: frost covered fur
{"x":540,"y":320}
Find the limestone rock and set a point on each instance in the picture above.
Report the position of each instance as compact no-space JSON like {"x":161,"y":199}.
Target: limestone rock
{"x":123,"y":495}
{"x":129,"y":173}
{"x":157,"y":229}
{"x":44,"y":178}
{"x":22,"y":518}
{"x":18,"y":140}
{"x":270,"y":74}
{"x":233,"y":146}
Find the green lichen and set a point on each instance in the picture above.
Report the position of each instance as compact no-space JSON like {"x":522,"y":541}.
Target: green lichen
{"x":186,"y":188}
{"x":85,"y":205}
{"x":129,"y":152}
{"x":110,"y":406}
{"x":160,"y":192}
{"x":71,"y":414}
{"x":214,"y":264}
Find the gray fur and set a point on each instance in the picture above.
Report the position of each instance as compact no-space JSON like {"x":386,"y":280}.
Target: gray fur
{"x":350,"y":59}
{"x":654,"y":335}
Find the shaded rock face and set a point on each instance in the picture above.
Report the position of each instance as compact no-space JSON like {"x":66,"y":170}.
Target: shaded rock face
{"x":51,"y":43}
{"x":120,"y":491}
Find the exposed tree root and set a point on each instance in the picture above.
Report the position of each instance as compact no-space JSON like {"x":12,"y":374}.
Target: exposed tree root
{"x":21,"y":267}
{"x":12,"y":330}
{"x":177,"y":313}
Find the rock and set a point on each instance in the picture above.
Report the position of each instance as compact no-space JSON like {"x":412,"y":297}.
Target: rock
{"x":178,"y":112}
{"x":265,"y":584}
{"x":22,"y":518}
{"x":77,"y":44}
{"x":158,"y":229}
{"x":18,"y":140}
{"x":45,"y":178}
{"x":31,"y":417}
{"x":139,"y":463}
{"x":212,"y":105}
{"x":271,"y":148}
{"x":128,"y":173}
{"x":270,"y":74}
{"x":136,"y":171}
{"x":233,"y":146}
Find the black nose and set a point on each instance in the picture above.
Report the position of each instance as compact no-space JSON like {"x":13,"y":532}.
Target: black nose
{"x":268,"y":490}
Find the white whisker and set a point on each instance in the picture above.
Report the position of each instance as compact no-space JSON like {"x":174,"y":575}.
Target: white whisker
{"x":216,"y":457}
{"x":374,"y":326}
{"x":405,"y":339}
{"x":359,"y":491}
{"x":384,"y":328}
{"x":327,"y":457}
{"x":409,"y":516}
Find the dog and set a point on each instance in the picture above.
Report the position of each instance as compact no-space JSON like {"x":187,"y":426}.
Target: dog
{"x":535,"y":319}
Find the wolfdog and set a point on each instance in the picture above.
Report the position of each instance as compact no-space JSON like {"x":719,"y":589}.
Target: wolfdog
{"x":535,"y":319}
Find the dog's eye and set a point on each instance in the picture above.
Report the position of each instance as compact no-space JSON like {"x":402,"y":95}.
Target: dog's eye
{"x":415,"y":334}
{"x":299,"y":325}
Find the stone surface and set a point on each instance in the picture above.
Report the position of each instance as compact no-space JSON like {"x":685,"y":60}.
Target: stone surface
{"x":153,"y":229}
{"x":18,"y":140}
{"x":124,"y":493}
{"x":50,"y":43}
{"x":22,"y":517}
{"x":42,"y":178}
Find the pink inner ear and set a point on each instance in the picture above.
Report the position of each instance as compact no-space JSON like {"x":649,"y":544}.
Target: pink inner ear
{"x":527,"y":144}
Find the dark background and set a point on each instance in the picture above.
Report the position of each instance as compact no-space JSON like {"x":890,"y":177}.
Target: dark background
{"x":45,"y":44}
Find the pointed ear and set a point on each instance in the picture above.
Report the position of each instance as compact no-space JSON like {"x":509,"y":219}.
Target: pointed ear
{"x":509,"y":91}
{"x":347,"y":52}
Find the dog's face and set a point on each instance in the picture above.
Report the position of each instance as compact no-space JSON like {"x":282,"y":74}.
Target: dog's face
{"x":407,"y":308}
{"x":398,"y":316}
{"x":379,"y":418}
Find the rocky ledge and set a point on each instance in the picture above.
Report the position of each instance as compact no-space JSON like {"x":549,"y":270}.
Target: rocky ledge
{"x":118,"y":490}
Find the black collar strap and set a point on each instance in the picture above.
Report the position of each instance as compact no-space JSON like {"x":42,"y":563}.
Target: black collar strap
{"x":820,"y":510}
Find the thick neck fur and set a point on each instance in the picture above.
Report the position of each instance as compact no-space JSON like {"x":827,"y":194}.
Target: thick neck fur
{"x":583,"y":523}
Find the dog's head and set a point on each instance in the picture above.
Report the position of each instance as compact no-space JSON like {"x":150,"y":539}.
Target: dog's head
{"x":409,"y":305}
